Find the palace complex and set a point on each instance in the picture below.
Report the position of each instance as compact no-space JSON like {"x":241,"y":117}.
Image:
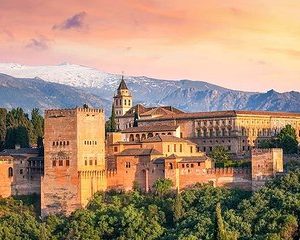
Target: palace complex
{"x":152,"y":143}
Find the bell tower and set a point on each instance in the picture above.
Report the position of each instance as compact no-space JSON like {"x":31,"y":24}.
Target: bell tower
{"x":122,"y":100}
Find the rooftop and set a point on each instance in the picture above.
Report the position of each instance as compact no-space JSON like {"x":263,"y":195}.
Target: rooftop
{"x":122,"y":85}
{"x":230,"y":113}
{"x":166,"y":138}
{"x":151,"y":128}
{"x":139,"y":152}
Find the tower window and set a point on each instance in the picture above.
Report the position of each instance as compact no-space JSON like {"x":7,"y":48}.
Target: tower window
{"x":67,"y":162}
{"x":10,"y":172}
{"x":53,"y":163}
{"x":129,"y":104}
{"x":60,"y":163}
{"x":125,"y":102}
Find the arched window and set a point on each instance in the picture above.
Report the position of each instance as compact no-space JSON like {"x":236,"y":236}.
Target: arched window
{"x":125,"y":102}
{"x":143,"y":136}
{"x":137,"y":137}
{"x":10,"y":172}
{"x":150,"y":135}
{"x":131,"y":138}
{"x":171,"y":165}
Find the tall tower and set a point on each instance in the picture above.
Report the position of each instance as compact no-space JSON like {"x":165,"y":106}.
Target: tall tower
{"x":74,"y":165}
{"x":123,"y":99}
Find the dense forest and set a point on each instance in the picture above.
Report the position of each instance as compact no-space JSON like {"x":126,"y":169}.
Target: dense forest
{"x":16,"y":128}
{"x":203,"y":212}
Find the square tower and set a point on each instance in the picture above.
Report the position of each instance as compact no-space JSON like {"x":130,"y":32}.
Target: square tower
{"x":74,"y":159}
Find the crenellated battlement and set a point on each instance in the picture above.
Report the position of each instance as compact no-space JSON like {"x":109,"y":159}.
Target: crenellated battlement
{"x":111,"y":172}
{"x":70,"y":111}
{"x":91,"y":173}
{"x":90,"y":110}
{"x":229,"y":170}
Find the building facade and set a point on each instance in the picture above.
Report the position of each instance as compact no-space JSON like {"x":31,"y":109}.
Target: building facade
{"x":74,"y":159}
{"x":237,"y":131}
{"x":20,"y":172}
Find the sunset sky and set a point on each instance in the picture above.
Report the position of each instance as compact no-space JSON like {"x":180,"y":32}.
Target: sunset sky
{"x":239,"y":44}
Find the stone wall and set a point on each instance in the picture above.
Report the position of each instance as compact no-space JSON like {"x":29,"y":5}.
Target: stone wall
{"x":6,"y":179}
{"x":266,"y":163}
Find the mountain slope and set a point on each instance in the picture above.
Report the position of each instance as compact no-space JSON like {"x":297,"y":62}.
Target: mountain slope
{"x":184,"y":94}
{"x":30,"y":93}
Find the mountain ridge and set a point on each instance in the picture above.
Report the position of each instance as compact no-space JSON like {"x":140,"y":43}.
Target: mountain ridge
{"x":185,"y":94}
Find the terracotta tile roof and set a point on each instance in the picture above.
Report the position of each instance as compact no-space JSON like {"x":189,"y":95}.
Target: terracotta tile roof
{"x":157,"y":111}
{"x":215,"y":114}
{"x":150,"y":128}
{"x":148,"y":110}
{"x":166,"y":138}
{"x":20,"y":151}
{"x":194,"y":159}
{"x":139,"y":152}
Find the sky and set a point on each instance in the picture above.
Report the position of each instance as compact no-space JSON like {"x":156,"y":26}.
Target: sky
{"x":238,"y":44}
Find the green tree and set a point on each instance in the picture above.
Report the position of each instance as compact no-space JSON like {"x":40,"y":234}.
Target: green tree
{"x":287,"y":139}
{"x":38,"y":127}
{"x":19,"y":129}
{"x":162,"y":186}
{"x":112,"y":120}
{"x":136,"y":118}
{"x":3,"y":113}
{"x":178,"y":210}
{"x":220,"y":155}
{"x":222,"y":233}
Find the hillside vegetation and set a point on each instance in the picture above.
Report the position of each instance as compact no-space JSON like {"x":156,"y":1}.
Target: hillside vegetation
{"x":203,"y":212}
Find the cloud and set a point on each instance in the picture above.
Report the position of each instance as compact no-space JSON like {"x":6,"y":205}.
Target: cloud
{"x":74,"y":22}
{"x":40,"y":43}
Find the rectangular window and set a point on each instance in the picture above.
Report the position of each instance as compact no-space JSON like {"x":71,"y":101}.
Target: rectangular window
{"x":174,"y":147}
{"x":91,"y":162}
{"x":53,"y":163}
{"x":229,"y":148}
{"x":191,"y":149}
{"x":115,"y":149}
{"x":67,"y":162}
{"x":60,"y":163}
{"x":168,"y":148}
{"x":180,"y":148}
{"x":96,"y":161}
{"x":127,"y":164}
{"x":204,"y":149}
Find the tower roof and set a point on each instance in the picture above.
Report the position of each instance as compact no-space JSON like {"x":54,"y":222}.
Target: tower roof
{"x":122,"y":84}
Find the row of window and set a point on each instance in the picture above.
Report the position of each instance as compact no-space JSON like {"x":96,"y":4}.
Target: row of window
{"x":60,"y":163}
{"x":211,"y":122}
{"x":138,"y":137}
{"x":118,"y":102}
{"x":90,"y":161}
{"x":60,"y":143}
{"x":90,"y":142}
{"x":180,"y":148}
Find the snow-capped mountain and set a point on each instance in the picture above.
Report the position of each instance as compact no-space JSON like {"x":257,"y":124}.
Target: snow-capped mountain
{"x":184,"y":94}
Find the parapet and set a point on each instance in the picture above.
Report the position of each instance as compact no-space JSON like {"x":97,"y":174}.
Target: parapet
{"x":70,"y":111}
{"x":229,"y":170}
{"x":90,"y":110}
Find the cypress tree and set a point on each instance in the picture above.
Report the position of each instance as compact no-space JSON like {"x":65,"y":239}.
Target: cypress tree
{"x":136,"y":118}
{"x":112,"y":120}
{"x":3,"y":113}
{"x":37,"y":127}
